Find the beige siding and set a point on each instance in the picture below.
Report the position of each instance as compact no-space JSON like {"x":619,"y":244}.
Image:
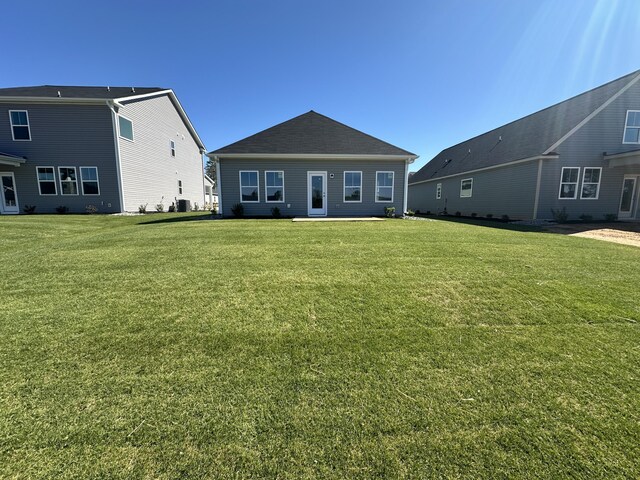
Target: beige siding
{"x":149,"y":172}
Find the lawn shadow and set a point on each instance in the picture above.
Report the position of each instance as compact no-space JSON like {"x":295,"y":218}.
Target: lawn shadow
{"x":178,"y":218}
{"x":482,"y":222}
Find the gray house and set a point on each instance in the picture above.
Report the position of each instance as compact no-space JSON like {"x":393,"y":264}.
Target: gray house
{"x":581,"y":156}
{"x":312,"y":165}
{"x":112,"y":148}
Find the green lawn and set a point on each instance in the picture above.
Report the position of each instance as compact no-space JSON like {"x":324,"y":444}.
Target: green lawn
{"x":133,"y":347}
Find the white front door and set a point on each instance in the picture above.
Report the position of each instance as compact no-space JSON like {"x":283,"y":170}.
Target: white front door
{"x":9,"y":202}
{"x":627,"y":199}
{"x":317,"y":193}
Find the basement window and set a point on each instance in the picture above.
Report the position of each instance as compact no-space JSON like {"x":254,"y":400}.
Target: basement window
{"x":632,"y":127}
{"x":569,"y":183}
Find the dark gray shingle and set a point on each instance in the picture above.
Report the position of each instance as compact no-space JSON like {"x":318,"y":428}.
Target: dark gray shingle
{"x":51,"y":91}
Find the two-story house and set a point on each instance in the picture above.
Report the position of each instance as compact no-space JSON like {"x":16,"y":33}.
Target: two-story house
{"x":111,"y":149}
{"x":580,"y":157}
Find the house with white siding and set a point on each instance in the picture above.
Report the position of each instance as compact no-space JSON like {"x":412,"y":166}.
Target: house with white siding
{"x":108,"y":149}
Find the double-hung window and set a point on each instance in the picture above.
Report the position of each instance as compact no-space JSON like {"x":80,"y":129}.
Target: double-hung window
{"x":89,"y":180}
{"x":569,"y":183}
{"x":591,"y":183}
{"x":438,"y":191}
{"x":353,"y":187}
{"x":384,"y":187}
{"x":20,"y":125}
{"x":249,"y":186}
{"x":47,"y":181}
{"x":466,"y":187}
{"x":274,"y":186}
{"x":632,"y":127}
{"x":68,"y":181}
{"x":125,"y":127}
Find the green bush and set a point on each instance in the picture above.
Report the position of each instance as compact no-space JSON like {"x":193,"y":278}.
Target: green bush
{"x":159,"y":208}
{"x":62,"y":209}
{"x":390,"y":212}
{"x":474,"y":215}
{"x":275,"y":212}
{"x":143,"y":208}
{"x":611,"y":217}
{"x":172,"y":207}
{"x":410,"y":213}
{"x":505,"y":218}
{"x":560,"y":216}
{"x":91,"y":209}
{"x":238,"y":210}
{"x":29,"y":209}
{"x":489,"y":215}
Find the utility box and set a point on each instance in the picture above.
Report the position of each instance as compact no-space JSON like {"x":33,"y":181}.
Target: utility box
{"x":184,"y":205}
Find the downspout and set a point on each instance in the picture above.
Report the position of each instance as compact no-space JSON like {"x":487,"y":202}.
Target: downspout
{"x":407,"y":162}
{"x":218,"y":185}
{"x":116,"y":141}
{"x":537,"y":197}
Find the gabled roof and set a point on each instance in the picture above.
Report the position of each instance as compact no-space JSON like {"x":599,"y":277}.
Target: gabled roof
{"x":51,"y":91}
{"x":312,"y":133}
{"x":527,"y":137}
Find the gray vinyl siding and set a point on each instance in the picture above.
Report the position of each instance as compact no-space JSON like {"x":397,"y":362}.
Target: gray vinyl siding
{"x":63,"y":135}
{"x":508,"y":190}
{"x":295,"y":182}
{"x":149,"y":172}
{"x":585,"y":148}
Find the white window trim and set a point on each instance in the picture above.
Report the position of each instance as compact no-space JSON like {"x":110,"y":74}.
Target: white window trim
{"x":624,"y":131}
{"x":97,"y":180}
{"x":55,"y":182}
{"x":258,"y":186}
{"x":577,"y":182}
{"x":470,"y":190}
{"x":172,"y":148}
{"x":344,"y":186}
{"x":438,"y":191}
{"x":266,"y":186}
{"x":133,"y":133}
{"x":75,"y":169}
{"x":28,"y":125}
{"x":584,"y":169}
{"x":393,"y":181}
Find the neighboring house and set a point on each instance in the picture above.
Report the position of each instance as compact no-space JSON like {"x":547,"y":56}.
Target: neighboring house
{"x":312,"y":165}
{"x":113,"y":148}
{"x":581,"y":155}
{"x":210,"y":193}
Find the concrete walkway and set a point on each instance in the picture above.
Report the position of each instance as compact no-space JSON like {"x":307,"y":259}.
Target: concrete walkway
{"x":338,"y":219}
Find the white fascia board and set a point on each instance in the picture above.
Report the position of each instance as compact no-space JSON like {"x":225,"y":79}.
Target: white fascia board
{"x":309,"y":156}
{"x":177,"y":104}
{"x":12,"y":161}
{"x":492,"y":167}
{"x":633,"y":153}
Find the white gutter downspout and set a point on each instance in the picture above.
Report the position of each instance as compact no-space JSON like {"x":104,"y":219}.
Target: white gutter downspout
{"x":537,"y":197}
{"x":218,"y":186}
{"x":116,"y":141}
{"x":407,"y":162}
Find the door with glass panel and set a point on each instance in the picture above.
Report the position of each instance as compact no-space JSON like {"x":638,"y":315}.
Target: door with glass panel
{"x":317,"y":193}
{"x":627,"y":199}
{"x":9,"y":202}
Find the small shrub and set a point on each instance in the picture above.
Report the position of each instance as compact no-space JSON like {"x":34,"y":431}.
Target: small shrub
{"x":172,"y":207}
{"x":275,"y":212}
{"x":29,"y":209}
{"x":474,"y":215}
{"x":410,"y":213}
{"x":62,"y":209}
{"x":611,"y":217}
{"x":417,"y":211}
{"x":195,"y":208}
{"x":390,"y":212}
{"x":560,"y":216}
{"x":214,"y":210}
{"x":428,"y":212}
{"x":90,"y":209}
{"x":585,"y":218}
{"x":489,"y":215}
{"x":159,"y":208}
{"x":143,"y":208}
{"x":458,"y":213}
{"x":505,"y":218}
{"x":238,"y":210}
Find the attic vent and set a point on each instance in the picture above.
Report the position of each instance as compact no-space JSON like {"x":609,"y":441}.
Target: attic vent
{"x":446,"y":162}
{"x":59,"y":93}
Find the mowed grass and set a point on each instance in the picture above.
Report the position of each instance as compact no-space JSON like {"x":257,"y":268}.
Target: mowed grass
{"x":139,"y":348}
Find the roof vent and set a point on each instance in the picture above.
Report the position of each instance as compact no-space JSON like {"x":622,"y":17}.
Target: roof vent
{"x":59,"y":93}
{"x":500,"y":138}
{"x":469,"y":152}
{"x":133,"y":89}
{"x":108,"y":89}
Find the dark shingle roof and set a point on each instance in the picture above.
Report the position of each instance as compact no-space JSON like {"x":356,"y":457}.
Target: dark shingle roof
{"x":312,"y":133}
{"x":51,"y":91}
{"x":523,"y":138}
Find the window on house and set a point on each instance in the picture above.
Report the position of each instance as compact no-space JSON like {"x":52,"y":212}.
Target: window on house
{"x":179,"y":187}
{"x":632,"y":127}
{"x":438,"y":191}
{"x":20,"y":125}
{"x":591,"y":183}
{"x":89,"y":180}
{"x":68,"y":181}
{"x":466,"y":187}
{"x":384,"y":186}
{"x":353,"y":186}
{"x":47,"y":181}
{"x":569,"y":182}
{"x":172,"y":146}
{"x":274,"y":185}
{"x":126,"y":127}
{"x":249,"y":188}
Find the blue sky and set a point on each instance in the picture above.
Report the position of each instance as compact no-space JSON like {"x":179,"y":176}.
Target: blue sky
{"x":421,"y":74}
